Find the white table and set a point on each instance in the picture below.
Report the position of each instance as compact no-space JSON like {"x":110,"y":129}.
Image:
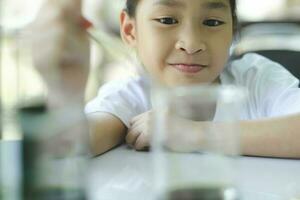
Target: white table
{"x":124,"y":174}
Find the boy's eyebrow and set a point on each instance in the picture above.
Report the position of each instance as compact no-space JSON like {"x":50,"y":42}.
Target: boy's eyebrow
{"x":170,"y":3}
{"x":207,"y":5}
{"x":216,"y":5}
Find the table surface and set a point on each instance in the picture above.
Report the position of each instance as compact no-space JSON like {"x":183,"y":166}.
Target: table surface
{"x":126,"y":174}
{"x":123,"y":173}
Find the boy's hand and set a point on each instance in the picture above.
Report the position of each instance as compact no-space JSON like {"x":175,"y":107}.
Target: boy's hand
{"x":61,"y":53}
{"x":60,"y":48}
{"x":183,"y":135}
{"x":139,"y":134}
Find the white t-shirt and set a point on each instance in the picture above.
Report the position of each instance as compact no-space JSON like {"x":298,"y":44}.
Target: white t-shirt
{"x":272,"y":91}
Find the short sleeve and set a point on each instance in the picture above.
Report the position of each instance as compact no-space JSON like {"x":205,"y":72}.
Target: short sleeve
{"x":277,"y":90}
{"x":288,"y":102}
{"x":272,"y":90}
{"x":124,"y":99}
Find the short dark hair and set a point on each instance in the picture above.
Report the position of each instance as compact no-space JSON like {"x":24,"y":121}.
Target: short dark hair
{"x":132,"y":4}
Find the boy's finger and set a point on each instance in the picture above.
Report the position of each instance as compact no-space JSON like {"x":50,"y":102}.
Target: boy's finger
{"x":132,"y":136}
{"x":85,"y":24}
{"x":72,"y":8}
{"x":137,"y":118}
{"x":75,"y":5}
{"x":134,"y":120}
{"x":136,"y":124}
{"x":141,"y":143}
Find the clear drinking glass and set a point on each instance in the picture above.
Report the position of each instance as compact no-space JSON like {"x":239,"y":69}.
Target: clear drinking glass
{"x":196,"y":142}
{"x":54,"y":153}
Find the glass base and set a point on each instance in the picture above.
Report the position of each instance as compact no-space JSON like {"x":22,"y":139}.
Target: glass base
{"x":202,"y":193}
{"x":55,"y":194}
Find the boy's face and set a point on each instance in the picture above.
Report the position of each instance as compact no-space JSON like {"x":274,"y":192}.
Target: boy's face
{"x":181,"y":42}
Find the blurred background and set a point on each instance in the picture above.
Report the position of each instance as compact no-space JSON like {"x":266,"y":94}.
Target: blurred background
{"x":268,"y":27}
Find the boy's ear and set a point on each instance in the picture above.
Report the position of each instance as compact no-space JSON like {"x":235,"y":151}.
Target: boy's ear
{"x":127,"y":29}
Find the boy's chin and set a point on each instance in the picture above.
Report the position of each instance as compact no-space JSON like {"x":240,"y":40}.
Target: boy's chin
{"x":185,"y":82}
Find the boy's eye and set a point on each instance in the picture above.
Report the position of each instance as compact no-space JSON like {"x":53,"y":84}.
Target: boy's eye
{"x":213,"y":22}
{"x":167,"y":20}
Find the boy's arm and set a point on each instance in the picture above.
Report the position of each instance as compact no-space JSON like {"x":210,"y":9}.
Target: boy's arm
{"x":277,"y":137}
{"x":106,"y":132}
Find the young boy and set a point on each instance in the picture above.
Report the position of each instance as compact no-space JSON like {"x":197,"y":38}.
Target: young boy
{"x":182,"y":42}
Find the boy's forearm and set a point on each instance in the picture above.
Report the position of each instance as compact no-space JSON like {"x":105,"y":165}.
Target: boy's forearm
{"x":278,"y":137}
{"x":106,"y":132}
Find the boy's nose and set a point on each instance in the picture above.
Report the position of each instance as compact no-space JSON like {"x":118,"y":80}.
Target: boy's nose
{"x":190,"y":48}
{"x":190,"y":40}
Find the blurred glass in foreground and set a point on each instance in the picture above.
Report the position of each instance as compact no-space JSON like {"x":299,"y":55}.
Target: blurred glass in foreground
{"x":54,"y":153}
{"x":196,"y":142}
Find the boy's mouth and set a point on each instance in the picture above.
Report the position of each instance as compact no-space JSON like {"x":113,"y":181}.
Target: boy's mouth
{"x":188,"y":68}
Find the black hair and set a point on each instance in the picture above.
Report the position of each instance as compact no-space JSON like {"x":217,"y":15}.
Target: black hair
{"x":132,"y":4}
